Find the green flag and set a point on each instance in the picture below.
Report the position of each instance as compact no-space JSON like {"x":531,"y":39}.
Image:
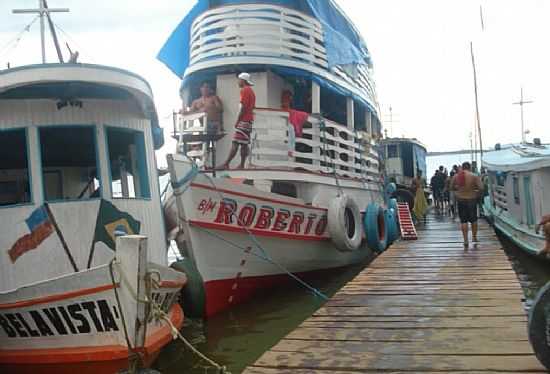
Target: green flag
{"x":109,"y":220}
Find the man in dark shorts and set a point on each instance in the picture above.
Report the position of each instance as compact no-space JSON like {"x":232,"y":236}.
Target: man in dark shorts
{"x":467,"y":187}
{"x":245,"y":120}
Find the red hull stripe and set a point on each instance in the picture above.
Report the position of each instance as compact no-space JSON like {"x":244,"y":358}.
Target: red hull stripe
{"x":57,"y":297}
{"x":272,"y":234}
{"x":108,"y":359}
{"x":206,"y":187}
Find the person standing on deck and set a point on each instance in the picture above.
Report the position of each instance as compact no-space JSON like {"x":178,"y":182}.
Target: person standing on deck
{"x":420,"y":203}
{"x":210,"y":104}
{"x":467,"y":187}
{"x":245,"y":120}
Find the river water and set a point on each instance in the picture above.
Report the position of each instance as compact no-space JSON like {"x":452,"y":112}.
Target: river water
{"x":238,"y":337}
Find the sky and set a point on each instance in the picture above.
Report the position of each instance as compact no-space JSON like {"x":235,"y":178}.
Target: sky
{"x":420,"y":49}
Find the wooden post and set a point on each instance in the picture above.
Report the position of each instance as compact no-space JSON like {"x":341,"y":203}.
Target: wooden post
{"x":131,"y":257}
{"x":315,"y":98}
{"x":350,"y":113}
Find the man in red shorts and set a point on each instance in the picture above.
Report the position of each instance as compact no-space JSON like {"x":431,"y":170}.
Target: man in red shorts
{"x":245,"y":120}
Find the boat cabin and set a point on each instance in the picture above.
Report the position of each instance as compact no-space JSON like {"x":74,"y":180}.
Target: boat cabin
{"x":77,"y":147}
{"x":316,"y":114}
{"x":403,"y":158}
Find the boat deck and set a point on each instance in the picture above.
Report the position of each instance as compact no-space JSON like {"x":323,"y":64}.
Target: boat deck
{"x":421,"y":306}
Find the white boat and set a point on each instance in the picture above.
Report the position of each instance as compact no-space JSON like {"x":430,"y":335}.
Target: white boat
{"x":519,"y":176}
{"x":77,"y":169}
{"x":298,"y":205}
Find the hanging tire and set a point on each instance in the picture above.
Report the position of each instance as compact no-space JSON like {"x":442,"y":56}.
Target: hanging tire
{"x":391,"y":224}
{"x":344,"y":223}
{"x":193,"y":297}
{"x":405,"y":196}
{"x":376,"y":228}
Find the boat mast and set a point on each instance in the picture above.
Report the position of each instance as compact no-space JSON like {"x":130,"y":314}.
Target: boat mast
{"x":477,"y":105}
{"x":43,"y":11}
{"x":521,"y":103}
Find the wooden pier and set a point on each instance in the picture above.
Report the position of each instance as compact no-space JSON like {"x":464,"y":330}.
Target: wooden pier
{"x":422,"y":306}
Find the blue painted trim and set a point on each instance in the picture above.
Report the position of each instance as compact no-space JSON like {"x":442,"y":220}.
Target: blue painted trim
{"x":29,"y":174}
{"x":98,"y":163}
{"x":157,"y":178}
{"x":60,"y":201}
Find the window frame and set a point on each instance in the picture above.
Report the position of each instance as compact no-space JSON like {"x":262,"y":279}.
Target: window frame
{"x":515,"y":189}
{"x":29,"y":168}
{"x":108,"y":160}
{"x":97,"y":161}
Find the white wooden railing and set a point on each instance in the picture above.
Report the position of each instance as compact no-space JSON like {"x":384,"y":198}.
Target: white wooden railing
{"x":325,"y":146}
{"x":336,"y":149}
{"x":500,"y":197}
{"x":267,"y":34}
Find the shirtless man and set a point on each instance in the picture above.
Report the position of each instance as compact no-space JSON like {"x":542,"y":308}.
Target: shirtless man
{"x":468,"y":188}
{"x":545,"y":225}
{"x":212,"y":106}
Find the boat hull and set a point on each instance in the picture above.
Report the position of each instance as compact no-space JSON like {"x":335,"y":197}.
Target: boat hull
{"x":75,"y":323}
{"x":267,"y":237}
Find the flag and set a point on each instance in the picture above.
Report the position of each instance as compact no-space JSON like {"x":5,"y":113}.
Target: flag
{"x":40,"y":227}
{"x":110,"y":219}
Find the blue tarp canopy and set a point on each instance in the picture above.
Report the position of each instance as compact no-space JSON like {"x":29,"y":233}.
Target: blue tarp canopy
{"x":343,"y":43}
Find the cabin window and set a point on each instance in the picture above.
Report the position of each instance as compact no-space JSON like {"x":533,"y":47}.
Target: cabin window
{"x":128,"y":164}
{"x":69,"y":163}
{"x":334,"y":106}
{"x":515,"y":187}
{"x":393,"y":151}
{"x":14,"y":168}
{"x":359,"y":116}
{"x":284,"y":188}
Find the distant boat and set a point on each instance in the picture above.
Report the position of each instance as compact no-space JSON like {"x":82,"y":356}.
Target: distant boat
{"x":519,"y":176}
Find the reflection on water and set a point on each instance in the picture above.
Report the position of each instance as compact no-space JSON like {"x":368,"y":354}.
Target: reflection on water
{"x":238,"y":337}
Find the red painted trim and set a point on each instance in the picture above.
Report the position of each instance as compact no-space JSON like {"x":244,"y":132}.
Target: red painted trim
{"x":57,"y":297}
{"x":272,"y":234}
{"x":206,"y":187}
{"x":373,"y":179}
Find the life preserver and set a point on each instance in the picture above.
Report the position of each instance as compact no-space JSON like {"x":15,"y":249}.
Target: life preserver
{"x":344,"y":223}
{"x":391,"y":223}
{"x":376,"y":228}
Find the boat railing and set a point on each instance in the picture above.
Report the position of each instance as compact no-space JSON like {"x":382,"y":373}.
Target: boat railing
{"x":324,"y":146}
{"x":266,"y":34}
{"x":500,"y":198}
{"x":191,"y":123}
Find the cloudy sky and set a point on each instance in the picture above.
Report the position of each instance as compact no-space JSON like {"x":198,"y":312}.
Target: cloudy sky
{"x":421,"y":52}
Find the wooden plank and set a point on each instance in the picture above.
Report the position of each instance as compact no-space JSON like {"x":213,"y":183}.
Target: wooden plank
{"x":421,"y":306}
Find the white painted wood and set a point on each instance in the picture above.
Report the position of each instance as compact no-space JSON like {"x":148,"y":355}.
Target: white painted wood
{"x":349,"y":114}
{"x":315,"y":97}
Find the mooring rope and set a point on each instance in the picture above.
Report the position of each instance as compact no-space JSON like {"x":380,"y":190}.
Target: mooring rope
{"x":158,"y":314}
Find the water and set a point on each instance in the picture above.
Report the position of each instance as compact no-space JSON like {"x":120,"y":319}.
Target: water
{"x":236,"y":338}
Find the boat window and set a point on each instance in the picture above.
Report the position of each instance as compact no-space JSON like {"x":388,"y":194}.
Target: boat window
{"x":516,"y":189}
{"x":284,"y":188}
{"x":392,"y":151}
{"x":359,"y":116}
{"x":69,"y":163}
{"x":14,"y":173}
{"x":128,"y":165}
{"x":333,"y":106}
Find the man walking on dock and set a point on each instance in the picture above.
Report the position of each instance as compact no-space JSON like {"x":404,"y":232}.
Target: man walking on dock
{"x":467,"y":187}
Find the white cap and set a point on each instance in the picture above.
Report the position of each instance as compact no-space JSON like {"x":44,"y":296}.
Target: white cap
{"x":245,"y":77}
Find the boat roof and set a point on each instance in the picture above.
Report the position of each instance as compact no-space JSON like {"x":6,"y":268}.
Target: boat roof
{"x":415,"y":141}
{"x":82,"y":81}
{"x":519,"y":157}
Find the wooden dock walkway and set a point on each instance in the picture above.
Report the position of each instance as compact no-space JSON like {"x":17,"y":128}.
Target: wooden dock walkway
{"x":421,"y":306}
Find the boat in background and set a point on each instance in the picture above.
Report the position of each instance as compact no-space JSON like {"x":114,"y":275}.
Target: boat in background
{"x":310,"y":196}
{"x":519,"y":176}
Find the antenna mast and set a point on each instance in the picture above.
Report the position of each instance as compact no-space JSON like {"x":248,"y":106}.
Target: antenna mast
{"x":43,"y":11}
{"x":521,"y":103}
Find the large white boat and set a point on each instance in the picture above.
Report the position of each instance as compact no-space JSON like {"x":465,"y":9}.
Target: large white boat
{"x":519,"y":176}
{"x":310,"y":195}
{"x":77,"y":169}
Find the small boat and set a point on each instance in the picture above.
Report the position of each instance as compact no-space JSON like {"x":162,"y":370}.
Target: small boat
{"x":84,"y":281}
{"x":404,"y":158}
{"x":518,"y":177}
{"x":311,"y":195}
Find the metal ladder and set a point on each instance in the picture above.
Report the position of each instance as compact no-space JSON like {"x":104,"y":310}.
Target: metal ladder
{"x":406,"y":224}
